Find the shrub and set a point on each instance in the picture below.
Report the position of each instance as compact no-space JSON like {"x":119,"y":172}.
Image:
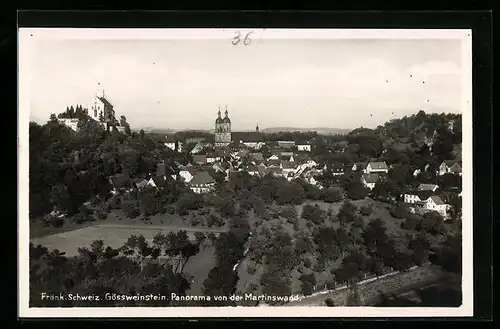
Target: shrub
{"x":56,"y":221}
{"x":330,"y":284}
{"x":170,"y":209}
{"x":411,"y":223}
{"x":194,"y":221}
{"x":313,"y":214}
{"x":329,"y":302}
{"x":366,"y":210}
{"x":332,"y":195}
{"x":399,"y":211}
{"x":308,"y":281}
{"x":251,"y":269}
{"x":130,"y":209}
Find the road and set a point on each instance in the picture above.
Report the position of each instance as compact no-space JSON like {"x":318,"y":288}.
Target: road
{"x":370,"y":289}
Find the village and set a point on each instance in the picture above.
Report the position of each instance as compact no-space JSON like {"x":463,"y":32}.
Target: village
{"x":290,"y":159}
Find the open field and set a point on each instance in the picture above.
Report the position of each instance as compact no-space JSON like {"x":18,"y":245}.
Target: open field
{"x":37,"y":229}
{"x":113,"y":235}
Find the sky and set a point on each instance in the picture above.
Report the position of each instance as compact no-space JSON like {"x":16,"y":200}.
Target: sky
{"x":179,"y":84}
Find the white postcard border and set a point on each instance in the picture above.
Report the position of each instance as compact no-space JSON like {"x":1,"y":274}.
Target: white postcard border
{"x":24,"y":311}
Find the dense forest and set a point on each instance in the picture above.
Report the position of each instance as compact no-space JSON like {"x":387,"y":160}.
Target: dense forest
{"x":69,"y":173}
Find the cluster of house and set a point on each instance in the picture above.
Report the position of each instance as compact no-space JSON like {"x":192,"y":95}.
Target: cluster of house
{"x":286,"y":159}
{"x":281,"y":163}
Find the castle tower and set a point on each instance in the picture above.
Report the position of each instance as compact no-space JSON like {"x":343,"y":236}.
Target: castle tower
{"x":222,"y":129}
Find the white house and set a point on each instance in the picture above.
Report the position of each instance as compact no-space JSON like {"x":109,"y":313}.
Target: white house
{"x":450,"y":166}
{"x":304,"y":147}
{"x":254,"y":145}
{"x":376,"y":167}
{"x":70,"y":123}
{"x":436,"y":204}
{"x":411,"y":198}
{"x":187,"y":173}
{"x":170,"y":142}
{"x":198,"y":148}
{"x":369,"y":180}
{"x":157,"y":181}
{"x":286,"y":144}
{"x":273,"y":157}
{"x":202,"y":182}
{"x":211,"y":158}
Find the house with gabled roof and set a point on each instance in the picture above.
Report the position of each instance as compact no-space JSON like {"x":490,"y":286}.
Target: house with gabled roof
{"x":187,"y":173}
{"x":200,"y":158}
{"x":251,"y":169}
{"x":369,"y":180}
{"x":288,"y":167}
{"x":256,"y":158}
{"x":140,"y":183}
{"x":220,"y":166}
{"x":377,"y":167}
{"x":157,"y":181}
{"x":359,"y":166}
{"x":120,"y":183}
{"x":274,"y":171}
{"x":435,"y":203}
{"x":450,"y":167}
{"x":428,"y":187}
{"x":274,"y":163}
{"x":202,"y":182}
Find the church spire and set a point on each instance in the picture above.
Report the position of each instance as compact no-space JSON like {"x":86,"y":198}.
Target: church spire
{"x":257,"y":127}
{"x":219,"y":112}
{"x":226,"y":113}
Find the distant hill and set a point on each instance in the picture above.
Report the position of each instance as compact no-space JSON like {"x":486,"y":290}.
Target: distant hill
{"x":150,"y":130}
{"x":322,"y":131}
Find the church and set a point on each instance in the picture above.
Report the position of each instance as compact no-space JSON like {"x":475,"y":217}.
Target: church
{"x":225,"y":136}
{"x":222,"y":130}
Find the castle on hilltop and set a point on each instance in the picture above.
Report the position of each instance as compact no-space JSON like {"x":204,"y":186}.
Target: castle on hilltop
{"x":100,"y":110}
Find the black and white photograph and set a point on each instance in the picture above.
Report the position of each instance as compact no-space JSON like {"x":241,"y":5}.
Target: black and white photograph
{"x":245,"y":172}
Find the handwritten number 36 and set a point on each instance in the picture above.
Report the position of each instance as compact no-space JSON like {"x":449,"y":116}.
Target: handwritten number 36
{"x":246,"y":40}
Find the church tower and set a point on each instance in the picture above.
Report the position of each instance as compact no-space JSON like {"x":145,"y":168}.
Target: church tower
{"x":257,"y":128}
{"x":222,"y":129}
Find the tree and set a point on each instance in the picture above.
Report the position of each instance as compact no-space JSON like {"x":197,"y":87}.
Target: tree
{"x":329,"y":302}
{"x":375,"y":235}
{"x":420,"y":247}
{"x":348,"y":212}
{"x":221,"y":281}
{"x":332,"y":195}
{"x":274,"y":284}
{"x":303,"y":243}
{"x":308,"y":283}
{"x":432,"y":223}
{"x":291,"y":193}
{"x":449,"y":254}
{"x":399,"y":211}
{"x":313,"y":214}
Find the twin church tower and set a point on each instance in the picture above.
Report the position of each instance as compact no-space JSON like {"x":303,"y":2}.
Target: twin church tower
{"x":223,"y":129}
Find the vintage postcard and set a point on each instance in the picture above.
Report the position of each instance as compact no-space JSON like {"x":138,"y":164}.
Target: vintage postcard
{"x":245,"y":173}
